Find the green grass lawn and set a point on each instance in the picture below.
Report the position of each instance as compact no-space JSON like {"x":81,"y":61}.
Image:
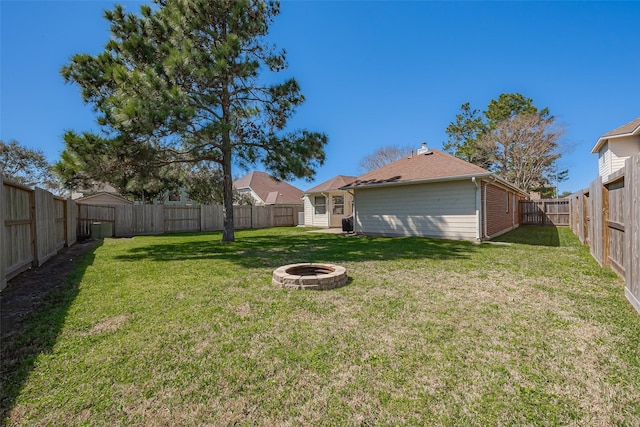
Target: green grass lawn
{"x":184,"y":330}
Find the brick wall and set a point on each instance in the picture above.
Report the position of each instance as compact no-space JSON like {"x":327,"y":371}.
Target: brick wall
{"x":501,"y":209}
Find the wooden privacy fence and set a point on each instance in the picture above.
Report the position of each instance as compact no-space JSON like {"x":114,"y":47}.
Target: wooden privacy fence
{"x":34,"y":226}
{"x":545,"y":212}
{"x":606,"y":216}
{"x":131,"y":220}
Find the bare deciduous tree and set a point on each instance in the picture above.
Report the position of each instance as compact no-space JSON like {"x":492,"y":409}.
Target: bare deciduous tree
{"x":524,"y":149}
{"x":384,"y":156}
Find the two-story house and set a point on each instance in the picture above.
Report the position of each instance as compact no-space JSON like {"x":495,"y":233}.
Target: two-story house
{"x":614,"y":147}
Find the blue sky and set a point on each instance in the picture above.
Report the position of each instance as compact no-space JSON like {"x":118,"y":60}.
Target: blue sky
{"x":374,"y":73}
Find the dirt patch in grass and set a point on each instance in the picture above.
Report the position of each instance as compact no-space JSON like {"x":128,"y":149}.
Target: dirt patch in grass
{"x":27,"y":293}
{"x":111,"y":324}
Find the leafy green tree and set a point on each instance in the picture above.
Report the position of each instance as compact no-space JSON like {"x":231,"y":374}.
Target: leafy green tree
{"x":463,"y":136}
{"x":26,"y":166}
{"x":511,"y":137}
{"x":509,"y":105}
{"x":187,"y":75}
{"x":204,"y":184}
{"x":135,"y":170}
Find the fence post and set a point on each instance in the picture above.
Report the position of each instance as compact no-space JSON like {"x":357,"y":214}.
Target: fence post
{"x":34,"y":228}
{"x":585,"y":219}
{"x":254,"y":214}
{"x":3,"y":260}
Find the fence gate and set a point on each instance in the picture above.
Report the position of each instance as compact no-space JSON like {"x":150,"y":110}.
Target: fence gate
{"x":545,"y":212}
{"x":283,"y":216}
{"x":88,"y":214}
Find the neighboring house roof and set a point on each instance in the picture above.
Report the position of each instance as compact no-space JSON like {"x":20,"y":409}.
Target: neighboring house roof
{"x":334,"y":183}
{"x":629,"y":129}
{"x":269,"y":189}
{"x":103,"y":198}
{"x":432,"y":166}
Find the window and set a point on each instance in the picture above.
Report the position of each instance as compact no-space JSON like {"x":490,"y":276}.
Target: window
{"x":338,"y":205}
{"x":174,"y":197}
{"x":321,"y":205}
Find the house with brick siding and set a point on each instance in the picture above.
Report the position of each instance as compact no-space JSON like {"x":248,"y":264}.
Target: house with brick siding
{"x":433,"y":194}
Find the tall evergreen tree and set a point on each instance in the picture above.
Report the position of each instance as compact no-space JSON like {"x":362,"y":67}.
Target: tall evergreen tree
{"x":134,"y":169}
{"x":186,"y":75}
{"x":463,"y":136}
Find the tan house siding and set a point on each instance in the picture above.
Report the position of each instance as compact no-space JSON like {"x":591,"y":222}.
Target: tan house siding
{"x":621,"y":149}
{"x":441,"y":209}
{"x":604,"y":161}
{"x":308,"y":211}
{"x":332,"y":216}
{"x":311,"y":218}
{"x":103,"y":199}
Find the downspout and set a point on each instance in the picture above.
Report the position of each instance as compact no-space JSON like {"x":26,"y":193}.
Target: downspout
{"x":478,"y":213}
{"x":326,"y":196}
{"x":353,"y":208}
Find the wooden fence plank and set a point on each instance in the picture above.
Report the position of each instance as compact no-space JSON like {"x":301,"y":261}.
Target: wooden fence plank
{"x":607,"y":218}
{"x":632,"y":230}
{"x":18,"y":228}
{"x":615,"y":226}
{"x":181,"y":218}
{"x":596,"y":234}
{"x":123,"y":221}
{"x":72,"y":222}
{"x":242,"y":216}
{"x":211,"y":217}
{"x":46,"y":227}
{"x":605,"y":229}
{"x":545,"y":212}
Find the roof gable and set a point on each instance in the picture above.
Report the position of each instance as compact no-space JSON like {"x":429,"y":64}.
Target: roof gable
{"x":334,"y":183}
{"x":628,"y":129}
{"x":104,"y":197}
{"x":435,"y":165}
{"x":269,"y":189}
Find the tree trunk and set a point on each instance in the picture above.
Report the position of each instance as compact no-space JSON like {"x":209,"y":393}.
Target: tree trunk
{"x":228,"y":234}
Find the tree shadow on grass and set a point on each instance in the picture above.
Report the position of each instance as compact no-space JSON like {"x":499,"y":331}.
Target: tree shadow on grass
{"x":260,"y":250}
{"x":532,"y":235}
{"x":35,"y":305}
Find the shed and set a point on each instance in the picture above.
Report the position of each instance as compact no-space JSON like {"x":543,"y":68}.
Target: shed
{"x":326,"y":204}
{"x":103,"y":198}
{"x":433,"y":194}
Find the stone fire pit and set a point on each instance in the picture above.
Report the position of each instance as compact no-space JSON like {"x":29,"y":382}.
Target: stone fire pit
{"x":310,"y":276}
